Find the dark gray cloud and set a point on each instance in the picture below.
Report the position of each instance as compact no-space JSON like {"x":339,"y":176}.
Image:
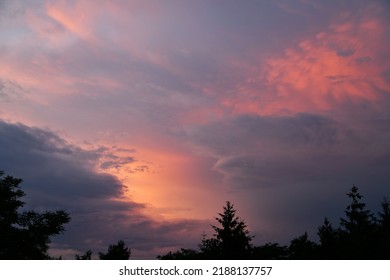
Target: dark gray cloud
{"x":248,"y":134}
{"x":272,"y":151}
{"x":58,"y":175}
{"x":64,"y":169}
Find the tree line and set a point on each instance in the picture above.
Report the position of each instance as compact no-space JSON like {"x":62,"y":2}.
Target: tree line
{"x":361,"y":234}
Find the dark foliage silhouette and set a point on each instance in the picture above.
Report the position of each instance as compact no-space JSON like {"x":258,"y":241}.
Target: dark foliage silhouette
{"x":360,"y":235}
{"x":302,"y":248}
{"x":86,"y":256}
{"x":182,"y":254}
{"x":25,"y":235}
{"x":384,"y":230}
{"x":270,"y":251}
{"x":329,"y":241}
{"x":117,"y":251}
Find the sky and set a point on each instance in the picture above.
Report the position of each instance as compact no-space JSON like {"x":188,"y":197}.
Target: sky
{"x":142,"y":118}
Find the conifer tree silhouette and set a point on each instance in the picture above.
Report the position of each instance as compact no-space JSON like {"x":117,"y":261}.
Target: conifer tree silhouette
{"x":357,"y":232}
{"x":231,"y":239}
{"x":328,"y":241}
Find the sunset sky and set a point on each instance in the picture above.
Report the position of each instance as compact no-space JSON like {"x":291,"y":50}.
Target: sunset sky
{"x":141,"y":118}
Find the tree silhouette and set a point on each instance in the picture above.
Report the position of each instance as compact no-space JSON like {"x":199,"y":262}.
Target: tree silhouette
{"x":357,"y":232}
{"x":384,"y":216}
{"x":117,"y":251}
{"x":270,"y":251}
{"x":232,"y":239}
{"x":358,"y":217}
{"x":210,"y":248}
{"x":301,"y":248}
{"x":329,"y":239}
{"x":182,"y":254}
{"x":384,"y":230}
{"x":25,"y":235}
{"x":86,"y":256}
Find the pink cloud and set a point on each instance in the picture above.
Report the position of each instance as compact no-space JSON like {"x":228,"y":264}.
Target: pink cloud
{"x":76,"y":17}
{"x":342,"y":64}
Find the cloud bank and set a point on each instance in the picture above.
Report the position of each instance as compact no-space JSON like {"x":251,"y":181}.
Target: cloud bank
{"x":58,"y":175}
